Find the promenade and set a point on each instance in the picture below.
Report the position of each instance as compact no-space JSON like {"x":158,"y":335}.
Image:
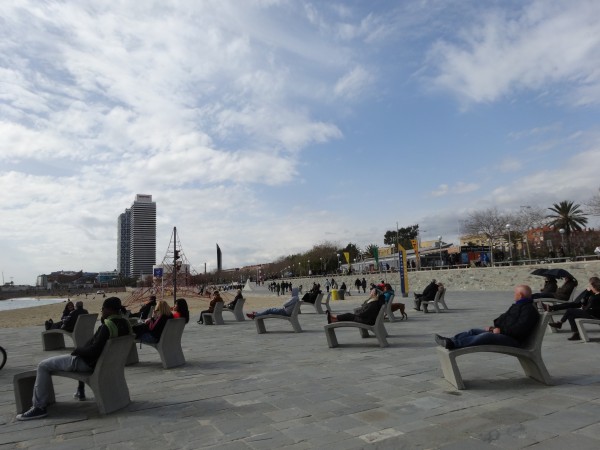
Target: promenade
{"x":241,"y":390}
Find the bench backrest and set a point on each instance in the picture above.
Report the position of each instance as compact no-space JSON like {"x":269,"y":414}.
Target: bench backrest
{"x":218,"y":308}
{"x":113,"y":357}
{"x":439,"y":295}
{"x":239,"y":305}
{"x":534,"y":341}
{"x":84,"y":328}
{"x":171,"y":335}
{"x":380,"y":317}
{"x":296,"y":309}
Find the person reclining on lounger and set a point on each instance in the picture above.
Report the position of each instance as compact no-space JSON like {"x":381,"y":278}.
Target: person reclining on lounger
{"x":562,"y":293}
{"x":311,"y":296}
{"x":579,"y":302}
{"x":591,"y":310}
{"x":285,"y":310}
{"x":82,"y":359}
{"x":366,"y":313}
{"x":511,"y":328}
{"x":238,"y":296}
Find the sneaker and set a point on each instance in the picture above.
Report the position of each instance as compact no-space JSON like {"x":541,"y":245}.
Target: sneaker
{"x":444,"y":342}
{"x":79,"y":394}
{"x":251,"y":316}
{"x":33,"y":413}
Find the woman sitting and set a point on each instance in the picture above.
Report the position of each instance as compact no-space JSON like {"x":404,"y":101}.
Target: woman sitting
{"x":591,"y":310}
{"x":181,"y":310}
{"x":150,"y":331}
{"x":367,"y":313}
{"x":50,"y":324}
{"x":216,"y":298}
{"x":238,"y":296}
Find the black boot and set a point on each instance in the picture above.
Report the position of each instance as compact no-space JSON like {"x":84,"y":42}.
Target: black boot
{"x":80,"y":393}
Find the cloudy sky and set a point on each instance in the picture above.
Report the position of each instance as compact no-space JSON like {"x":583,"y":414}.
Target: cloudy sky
{"x":268,"y":126}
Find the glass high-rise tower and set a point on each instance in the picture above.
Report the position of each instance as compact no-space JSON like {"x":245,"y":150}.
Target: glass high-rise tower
{"x":137,"y":243}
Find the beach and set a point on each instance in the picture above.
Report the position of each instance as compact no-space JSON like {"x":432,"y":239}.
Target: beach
{"x":37,"y":315}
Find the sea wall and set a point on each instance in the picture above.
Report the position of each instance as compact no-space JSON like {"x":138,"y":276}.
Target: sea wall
{"x":471,"y":279}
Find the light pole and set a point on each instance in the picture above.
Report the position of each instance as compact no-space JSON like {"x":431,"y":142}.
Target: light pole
{"x":308,"y":268}
{"x":440,"y":247}
{"x":339,"y":263}
{"x":509,"y":242}
{"x":562,"y":240}
{"x":299,"y":268}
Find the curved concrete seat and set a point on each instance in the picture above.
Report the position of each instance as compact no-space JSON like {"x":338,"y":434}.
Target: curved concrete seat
{"x":378,"y":329}
{"x":582,"y":331}
{"x":293,"y":319}
{"x":82,"y":332}
{"x":238,"y":310}
{"x":168,"y":347}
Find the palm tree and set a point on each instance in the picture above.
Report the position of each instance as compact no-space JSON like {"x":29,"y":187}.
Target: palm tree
{"x":567,"y":216}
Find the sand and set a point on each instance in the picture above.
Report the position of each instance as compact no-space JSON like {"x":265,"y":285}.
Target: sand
{"x":39,"y":314}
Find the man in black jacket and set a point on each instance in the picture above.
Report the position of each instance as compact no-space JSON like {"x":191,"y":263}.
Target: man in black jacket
{"x":83,"y":359}
{"x":511,"y":328}
{"x":69,"y":323}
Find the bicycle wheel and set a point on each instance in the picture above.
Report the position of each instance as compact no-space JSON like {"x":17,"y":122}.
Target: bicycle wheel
{"x":2,"y":357}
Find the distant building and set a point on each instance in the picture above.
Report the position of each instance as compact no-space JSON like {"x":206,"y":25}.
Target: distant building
{"x":124,"y":244}
{"x":138,"y":240}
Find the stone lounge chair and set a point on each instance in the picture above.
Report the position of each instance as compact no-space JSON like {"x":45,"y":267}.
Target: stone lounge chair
{"x":238,"y":310}
{"x":293,"y":319}
{"x":389,"y":314}
{"x":215,"y":317}
{"x":553,"y":301}
{"x":530,"y":356}
{"x":439,"y":299}
{"x":318,"y":304}
{"x":168,"y":347}
{"x":378,"y":328}
{"x":582,"y":331}
{"x":82,"y":332}
{"x":107,"y":381}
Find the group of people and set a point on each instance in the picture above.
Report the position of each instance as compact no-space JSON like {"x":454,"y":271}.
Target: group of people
{"x":69,"y":317}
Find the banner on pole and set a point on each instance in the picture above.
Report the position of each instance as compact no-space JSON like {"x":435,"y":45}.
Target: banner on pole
{"x":402,"y":270}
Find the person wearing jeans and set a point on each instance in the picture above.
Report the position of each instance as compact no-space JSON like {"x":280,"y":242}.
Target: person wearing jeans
{"x":511,"y":328}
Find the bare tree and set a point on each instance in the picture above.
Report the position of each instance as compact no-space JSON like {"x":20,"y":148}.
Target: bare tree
{"x":489,"y":223}
{"x":593,"y":205}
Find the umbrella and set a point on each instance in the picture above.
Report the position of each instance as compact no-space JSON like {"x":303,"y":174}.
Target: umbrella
{"x":555,"y":273}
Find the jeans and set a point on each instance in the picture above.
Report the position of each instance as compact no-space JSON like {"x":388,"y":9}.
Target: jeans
{"x":477,"y":336}
{"x":43,"y":380}
{"x":147,"y":338}
{"x":278,"y":311}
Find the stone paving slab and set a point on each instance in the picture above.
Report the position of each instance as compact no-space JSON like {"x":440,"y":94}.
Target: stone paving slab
{"x":241,"y":390}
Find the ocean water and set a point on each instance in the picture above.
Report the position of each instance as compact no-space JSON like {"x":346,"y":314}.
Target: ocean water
{"x":28,"y":302}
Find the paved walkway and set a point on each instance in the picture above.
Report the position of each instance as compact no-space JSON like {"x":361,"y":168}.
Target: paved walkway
{"x":240,"y":390}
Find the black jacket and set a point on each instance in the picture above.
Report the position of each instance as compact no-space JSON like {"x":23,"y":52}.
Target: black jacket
{"x":519,"y":321}
{"x":593,"y":305}
{"x":69,"y":322}
{"x":91,"y":351}
{"x":367,"y":312}
{"x":429,"y":292}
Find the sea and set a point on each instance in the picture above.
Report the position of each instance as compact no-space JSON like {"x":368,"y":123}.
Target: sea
{"x":28,"y":302}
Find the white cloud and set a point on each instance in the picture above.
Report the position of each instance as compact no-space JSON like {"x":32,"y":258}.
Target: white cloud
{"x":547,"y":43}
{"x":459,"y":187}
{"x":353,"y":83}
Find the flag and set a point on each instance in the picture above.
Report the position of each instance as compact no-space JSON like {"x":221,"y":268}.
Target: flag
{"x":347,"y":256}
{"x":219,"y":259}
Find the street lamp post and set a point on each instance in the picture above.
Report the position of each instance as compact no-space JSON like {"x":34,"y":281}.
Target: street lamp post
{"x":308,"y":268}
{"x":440,"y":248}
{"x":339,"y":263}
{"x":509,"y":242}
{"x":562,"y":239}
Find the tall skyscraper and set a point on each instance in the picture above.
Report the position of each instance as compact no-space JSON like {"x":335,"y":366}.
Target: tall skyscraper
{"x":124,"y":243}
{"x":139,"y":239}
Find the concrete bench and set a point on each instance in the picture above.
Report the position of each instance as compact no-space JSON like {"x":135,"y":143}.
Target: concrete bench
{"x":582,"y":331}
{"x":293,"y":319}
{"x":82,"y":332}
{"x":560,"y":312}
{"x":378,"y":329}
{"x":168,"y":347}
{"x":439,"y":299}
{"x":215,"y":317}
{"x":238,"y":310}
{"x":530,"y":356}
{"x":389,"y":314}
{"x":107,"y":381}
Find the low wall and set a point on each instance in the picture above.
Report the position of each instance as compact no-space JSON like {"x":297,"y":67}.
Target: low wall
{"x":470,"y":279}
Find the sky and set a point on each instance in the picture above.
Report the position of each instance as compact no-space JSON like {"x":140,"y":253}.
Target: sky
{"x":269,"y":126}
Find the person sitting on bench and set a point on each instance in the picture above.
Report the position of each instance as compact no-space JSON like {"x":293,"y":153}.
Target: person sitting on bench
{"x":510,"y":328}
{"x":150,"y":331}
{"x":311,"y":296}
{"x":211,"y":306}
{"x":71,"y":320}
{"x":145,"y":309}
{"x":591,"y":310}
{"x":181,"y":310}
{"x":285,"y":310}
{"x":428,"y":294}
{"x":562,"y":293}
{"x":238,"y":296}
{"x":366,"y":313}
{"x":82,"y":359}
{"x":579,"y":302}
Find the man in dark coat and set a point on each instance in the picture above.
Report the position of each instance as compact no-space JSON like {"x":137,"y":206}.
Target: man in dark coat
{"x":428,"y":294}
{"x":69,"y":323}
{"x":82,"y":359}
{"x":366,"y":313}
{"x":511,"y":328}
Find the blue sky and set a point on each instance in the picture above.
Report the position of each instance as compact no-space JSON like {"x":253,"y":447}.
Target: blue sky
{"x":269,"y":126}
